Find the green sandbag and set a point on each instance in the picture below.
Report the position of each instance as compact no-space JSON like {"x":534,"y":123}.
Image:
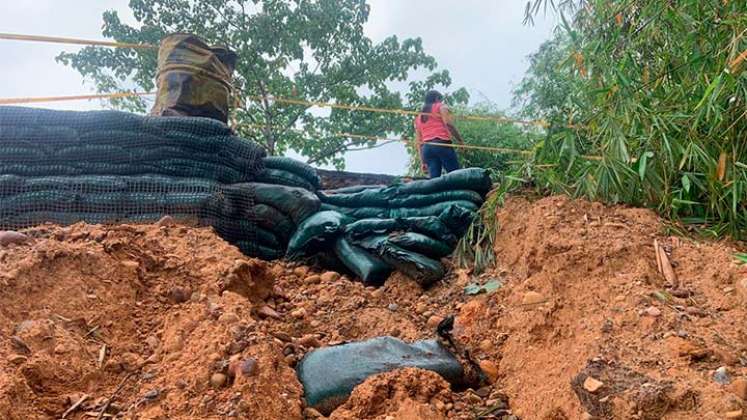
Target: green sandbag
{"x":422,"y":200}
{"x":475,"y":179}
{"x":432,"y":210}
{"x":281,"y":177}
{"x":296,"y":203}
{"x":367,"y":227}
{"x":371,"y":270}
{"x":299,"y":168}
{"x":354,"y":189}
{"x":329,"y":374}
{"x":430,"y":225}
{"x":374,"y":197}
{"x":420,"y":268}
{"x":458,"y":219}
{"x":422,"y":244}
{"x":273,"y":220}
{"x":316,"y":234}
{"x":244,"y":230}
{"x":359,"y":212}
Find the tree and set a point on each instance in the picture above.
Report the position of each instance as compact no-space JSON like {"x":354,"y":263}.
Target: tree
{"x":310,"y":49}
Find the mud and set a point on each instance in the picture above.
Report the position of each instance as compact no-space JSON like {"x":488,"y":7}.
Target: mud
{"x":163,"y":321}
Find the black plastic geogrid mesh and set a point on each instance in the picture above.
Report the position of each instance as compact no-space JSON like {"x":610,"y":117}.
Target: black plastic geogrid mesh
{"x":112,"y":167}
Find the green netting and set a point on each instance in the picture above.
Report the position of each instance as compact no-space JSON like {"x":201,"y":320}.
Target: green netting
{"x":295,"y":167}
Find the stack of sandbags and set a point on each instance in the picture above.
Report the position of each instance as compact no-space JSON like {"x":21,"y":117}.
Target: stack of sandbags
{"x":263,"y":217}
{"x":113,"y":167}
{"x":35,"y":142}
{"x":282,"y":170}
{"x":465,"y":188}
{"x":407,"y":227}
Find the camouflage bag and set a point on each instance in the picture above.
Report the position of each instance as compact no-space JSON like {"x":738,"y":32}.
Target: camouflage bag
{"x":193,"y":78}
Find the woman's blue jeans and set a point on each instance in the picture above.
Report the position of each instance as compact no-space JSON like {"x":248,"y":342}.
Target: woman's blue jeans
{"x":439,"y":158}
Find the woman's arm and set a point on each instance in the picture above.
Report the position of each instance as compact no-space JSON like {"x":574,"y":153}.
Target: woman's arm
{"x":449,"y":121}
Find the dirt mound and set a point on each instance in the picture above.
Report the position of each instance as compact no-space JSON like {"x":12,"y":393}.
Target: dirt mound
{"x":407,"y":394}
{"x":146,"y":319}
{"x":163,"y":321}
{"x":586,"y":324}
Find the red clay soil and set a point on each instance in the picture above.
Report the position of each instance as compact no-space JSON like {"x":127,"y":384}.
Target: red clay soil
{"x":585,"y":299}
{"x":163,"y":321}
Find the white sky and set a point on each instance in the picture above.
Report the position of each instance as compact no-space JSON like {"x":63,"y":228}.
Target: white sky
{"x":482,"y":42}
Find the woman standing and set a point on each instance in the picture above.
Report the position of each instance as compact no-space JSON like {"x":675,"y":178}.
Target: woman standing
{"x":433,"y":133}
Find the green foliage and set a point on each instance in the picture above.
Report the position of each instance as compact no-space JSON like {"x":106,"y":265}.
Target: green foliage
{"x":315,"y":50}
{"x":658,"y":92}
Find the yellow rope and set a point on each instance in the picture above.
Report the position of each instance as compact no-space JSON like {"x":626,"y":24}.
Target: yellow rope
{"x":450,"y":145}
{"x":76,"y":41}
{"x":31,"y":100}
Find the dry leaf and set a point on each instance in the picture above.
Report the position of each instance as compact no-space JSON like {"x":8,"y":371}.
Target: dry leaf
{"x":721,"y":170}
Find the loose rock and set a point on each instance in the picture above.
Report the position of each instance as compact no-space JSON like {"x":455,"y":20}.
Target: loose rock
{"x":330,"y":276}
{"x":434,"y":321}
{"x":490,"y":369}
{"x":721,"y":376}
{"x":592,"y":385}
{"x":532,"y":298}
{"x":218,"y":380}
{"x":8,"y":237}
{"x":652,"y":311}
{"x":739,"y":388}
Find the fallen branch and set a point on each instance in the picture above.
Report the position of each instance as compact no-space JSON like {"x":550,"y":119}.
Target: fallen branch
{"x":114,"y":395}
{"x":74,"y":406}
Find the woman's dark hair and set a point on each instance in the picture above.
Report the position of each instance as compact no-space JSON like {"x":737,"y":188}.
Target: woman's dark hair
{"x":431,"y":98}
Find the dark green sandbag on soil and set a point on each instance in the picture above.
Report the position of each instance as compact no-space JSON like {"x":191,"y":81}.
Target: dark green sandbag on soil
{"x":296,"y":167}
{"x":420,"y":268}
{"x":296,"y":203}
{"x":422,"y":244}
{"x":431,"y":210}
{"x":475,"y":179}
{"x":374,"y":197}
{"x":359,"y":212}
{"x":422,"y":200}
{"x":273,"y":220}
{"x":354,"y":189}
{"x":281,"y":177}
{"x":458,"y":219}
{"x":430,"y":225}
{"x":317,"y":233}
{"x":371,"y":270}
{"x":329,"y":374}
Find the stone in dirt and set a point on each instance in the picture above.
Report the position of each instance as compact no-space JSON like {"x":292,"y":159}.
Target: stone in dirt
{"x":490,"y":369}
{"x":652,"y":311}
{"x":330,"y":276}
{"x":266,"y":312}
{"x":532,"y":298}
{"x":738,"y":387}
{"x":721,"y":376}
{"x":8,"y":237}
{"x":592,"y":385}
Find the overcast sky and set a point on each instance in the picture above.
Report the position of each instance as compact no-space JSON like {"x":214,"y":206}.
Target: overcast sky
{"x":482,"y":42}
